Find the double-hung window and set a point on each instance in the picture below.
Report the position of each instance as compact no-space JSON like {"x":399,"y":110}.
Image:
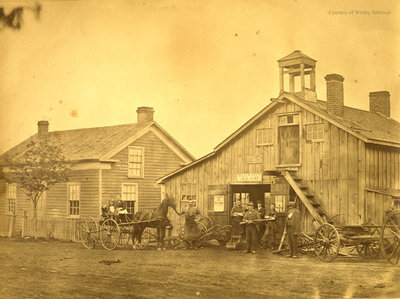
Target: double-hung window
{"x":74,"y":194}
{"x":129,"y":196}
{"x":11,"y":198}
{"x":135,"y":161}
{"x":188,"y":192}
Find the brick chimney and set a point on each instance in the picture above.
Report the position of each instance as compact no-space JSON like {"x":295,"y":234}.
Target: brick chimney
{"x":379,"y":101}
{"x":334,"y":94}
{"x":43,"y":127}
{"x":144,"y":115}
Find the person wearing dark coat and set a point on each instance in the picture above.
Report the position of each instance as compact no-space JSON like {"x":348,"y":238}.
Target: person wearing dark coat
{"x":190,"y":232}
{"x":251,"y":228}
{"x":293,"y":227}
{"x":237,"y":214}
{"x":260,"y":226}
{"x":271,"y":229}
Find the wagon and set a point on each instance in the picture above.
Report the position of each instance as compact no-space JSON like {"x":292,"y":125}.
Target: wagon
{"x":114,"y":231}
{"x":207,"y":230}
{"x":368,"y":240}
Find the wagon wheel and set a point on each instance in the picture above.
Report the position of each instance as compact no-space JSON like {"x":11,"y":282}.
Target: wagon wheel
{"x":224,"y":234}
{"x":89,"y":232}
{"x":206,"y":221}
{"x":390,"y":238}
{"x":149,"y":237}
{"x":109,"y":234}
{"x":368,"y":250}
{"x":326,"y":242}
{"x":201,"y":232}
{"x":123,"y":240}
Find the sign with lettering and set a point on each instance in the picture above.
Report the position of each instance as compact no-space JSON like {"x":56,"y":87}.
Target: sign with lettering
{"x":219,"y":203}
{"x":249,"y":177}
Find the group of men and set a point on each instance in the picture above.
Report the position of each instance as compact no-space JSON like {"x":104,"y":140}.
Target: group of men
{"x":261,"y":229}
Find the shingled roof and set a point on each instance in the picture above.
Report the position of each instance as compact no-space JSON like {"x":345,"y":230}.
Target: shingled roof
{"x":90,"y":143}
{"x":369,"y":126}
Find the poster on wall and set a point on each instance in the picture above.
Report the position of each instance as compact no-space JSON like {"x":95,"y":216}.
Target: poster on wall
{"x":219,"y":203}
{"x":280,"y":203}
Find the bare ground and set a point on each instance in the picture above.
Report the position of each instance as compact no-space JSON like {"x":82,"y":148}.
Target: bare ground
{"x":48,"y":269}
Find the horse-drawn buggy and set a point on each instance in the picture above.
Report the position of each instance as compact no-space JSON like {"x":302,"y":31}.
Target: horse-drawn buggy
{"x":118,"y":227}
{"x":146,"y":227}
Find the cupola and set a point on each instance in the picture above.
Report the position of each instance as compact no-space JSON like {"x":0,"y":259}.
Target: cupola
{"x":298,"y":71}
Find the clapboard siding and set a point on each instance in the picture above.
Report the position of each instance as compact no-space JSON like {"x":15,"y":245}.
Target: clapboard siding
{"x":158,"y":161}
{"x":56,"y":197}
{"x":337,"y":169}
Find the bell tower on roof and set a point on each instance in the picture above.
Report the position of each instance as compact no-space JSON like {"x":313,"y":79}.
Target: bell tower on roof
{"x":298,"y":70}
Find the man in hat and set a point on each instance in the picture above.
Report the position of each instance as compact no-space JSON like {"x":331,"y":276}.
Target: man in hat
{"x":251,"y":228}
{"x":293,"y":227}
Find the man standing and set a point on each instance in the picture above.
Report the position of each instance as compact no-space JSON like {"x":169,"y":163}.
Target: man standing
{"x":237,"y":214}
{"x":268,"y":238}
{"x":293,"y":228}
{"x":251,"y":228}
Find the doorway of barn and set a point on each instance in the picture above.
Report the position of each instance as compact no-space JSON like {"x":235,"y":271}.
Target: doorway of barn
{"x":249,"y":193}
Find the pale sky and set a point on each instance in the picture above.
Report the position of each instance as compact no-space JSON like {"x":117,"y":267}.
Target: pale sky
{"x":205,"y":66}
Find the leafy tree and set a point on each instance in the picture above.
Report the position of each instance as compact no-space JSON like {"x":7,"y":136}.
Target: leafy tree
{"x":40,"y":167}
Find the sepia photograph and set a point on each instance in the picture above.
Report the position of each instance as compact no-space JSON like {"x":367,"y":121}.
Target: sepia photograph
{"x":199,"y":149}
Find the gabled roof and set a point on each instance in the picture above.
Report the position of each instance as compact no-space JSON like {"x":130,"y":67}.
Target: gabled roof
{"x":96,"y":144}
{"x":368,"y":126}
{"x":294,"y":55}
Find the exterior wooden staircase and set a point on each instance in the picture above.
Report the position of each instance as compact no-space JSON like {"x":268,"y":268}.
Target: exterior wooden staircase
{"x":302,"y":192}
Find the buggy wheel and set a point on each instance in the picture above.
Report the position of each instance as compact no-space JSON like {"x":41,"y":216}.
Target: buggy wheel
{"x":123,"y":240}
{"x":326,"y":242}
{"x":149,"y":237}
{"x":390,"y":237}
{"x":109,"y":234}
{"x":89,"y":232}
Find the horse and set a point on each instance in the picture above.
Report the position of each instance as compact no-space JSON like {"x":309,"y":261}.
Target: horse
{"x":153,"y":218}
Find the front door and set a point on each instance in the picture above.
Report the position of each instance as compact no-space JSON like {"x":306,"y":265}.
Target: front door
{"x":288,"y":140}
{"x":218,"y":208}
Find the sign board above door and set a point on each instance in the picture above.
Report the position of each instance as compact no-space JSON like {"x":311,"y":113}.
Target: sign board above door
{"x":249,"y":177}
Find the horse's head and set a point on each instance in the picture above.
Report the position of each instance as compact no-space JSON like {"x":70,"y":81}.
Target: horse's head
{"x":169,"y":201}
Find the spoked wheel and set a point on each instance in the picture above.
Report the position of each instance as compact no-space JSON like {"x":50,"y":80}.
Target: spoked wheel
{"x":390,"y":238}
{"x":89,"y":232}
{"x":326,"y":242}
{"x":368,"y":250}
{"x":149,"y":237}
{"x":109,"y":234}
{"x":201,"y":231}
{"x":123,"y":240}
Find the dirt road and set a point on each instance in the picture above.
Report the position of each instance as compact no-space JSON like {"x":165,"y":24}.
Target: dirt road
{"x":52,"y":269}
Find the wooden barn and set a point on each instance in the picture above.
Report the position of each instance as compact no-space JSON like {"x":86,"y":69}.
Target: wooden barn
{"x":337,"y":160}
{"x":122,"y":160}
